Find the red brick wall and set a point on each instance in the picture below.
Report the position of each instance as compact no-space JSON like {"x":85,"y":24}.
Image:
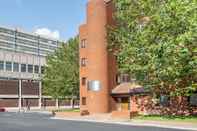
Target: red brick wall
{"x":64,"y":102}
{"x":8,"y":87}
{"x":177,"y":106}
{"x":83,"y":70}
{"x":31,"y":102}
{"x":48,"y":102}
{"x":8,"y":102}
{"x":30,"y":88}
{"x":100,"y":64}
{"x":112,"y":65}
{"x":121,"y":114}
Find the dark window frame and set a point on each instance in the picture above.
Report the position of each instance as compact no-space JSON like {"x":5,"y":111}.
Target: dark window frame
{"x":83,"y":101}
{"x":83,"y":43}
{"x":191,"y":103}
{"x":30,"y":68}
{"x":36,"y":69}
{"x":8,"y":66}
{"x":24,"y":68}
{"x":165,"y":101}
{"x":83,"y":81}
{"x":83,"y":62}
{"x":2,"y":65}
{"x":124,"y":78}
{"x":42,"y":69}
{"x":118,"y":79}
{"x":15,"y":67}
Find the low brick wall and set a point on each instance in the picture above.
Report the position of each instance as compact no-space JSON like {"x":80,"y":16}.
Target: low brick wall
{"x":31,"y":102}
{"x":48,"y":102}
{"x":177,"y":106}
{"x":67,"y":114}
{"x":8,"y":102}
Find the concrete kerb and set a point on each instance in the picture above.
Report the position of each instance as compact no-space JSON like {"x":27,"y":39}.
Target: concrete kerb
{"x":31,"y":111}
{"x":127,"y":123}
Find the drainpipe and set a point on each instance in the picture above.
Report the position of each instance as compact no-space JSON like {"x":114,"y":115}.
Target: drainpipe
{"x":20,"y":94}
{"x":40,"y":94}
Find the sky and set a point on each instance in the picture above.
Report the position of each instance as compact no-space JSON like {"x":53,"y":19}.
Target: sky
{"x":57,"y":19}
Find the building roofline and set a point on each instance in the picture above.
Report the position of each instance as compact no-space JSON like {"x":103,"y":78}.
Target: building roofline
{"x":30,"y":33}
{"x":107,"y":1}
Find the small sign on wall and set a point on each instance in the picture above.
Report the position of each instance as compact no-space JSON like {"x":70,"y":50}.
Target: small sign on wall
{"x":94,"y":85}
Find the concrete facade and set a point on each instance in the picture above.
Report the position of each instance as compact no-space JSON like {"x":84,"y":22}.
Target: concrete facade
{"x":22,"y":61}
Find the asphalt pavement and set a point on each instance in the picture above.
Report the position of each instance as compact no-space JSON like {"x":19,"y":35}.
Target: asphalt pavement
{"x":43,"y":122}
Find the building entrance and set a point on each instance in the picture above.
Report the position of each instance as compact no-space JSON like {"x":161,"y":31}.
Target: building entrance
{"x":123,"y":104}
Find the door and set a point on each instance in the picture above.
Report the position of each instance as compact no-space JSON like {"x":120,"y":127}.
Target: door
{"x":125,"y":104}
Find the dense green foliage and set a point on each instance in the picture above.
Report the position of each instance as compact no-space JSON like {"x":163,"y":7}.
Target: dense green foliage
{"x":156,"y":42}
{"x":61,"y":77}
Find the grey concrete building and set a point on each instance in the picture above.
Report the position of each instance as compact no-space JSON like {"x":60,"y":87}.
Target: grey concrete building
{"x":22,"y":61}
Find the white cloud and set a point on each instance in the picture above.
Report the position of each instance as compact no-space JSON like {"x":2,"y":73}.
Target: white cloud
{"x":48,"y":33}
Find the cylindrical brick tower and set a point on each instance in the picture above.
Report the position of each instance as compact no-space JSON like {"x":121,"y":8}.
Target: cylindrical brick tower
{"x":98,"y":101}
{"x":97,"y":65}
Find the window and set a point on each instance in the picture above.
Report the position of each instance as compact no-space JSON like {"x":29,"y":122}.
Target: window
{"x":118,"y":79}
{"x":164,"y":100}
{"x":83,"y":101}
{"x":83,"y":81}
{"x":30,"y":68}
{"x":125,"y":78}
{"x":16,"y":67}
{"x":83,"y":43}
{"x":193,"y":100}
{"x":36,"y":69}
{"x":1,"y":65}
{"x":8,"y":66}
{"x":94,"y":85}
{"x":42,"y":69}
{"x":83,"y":62}
{"x":23,"y":68}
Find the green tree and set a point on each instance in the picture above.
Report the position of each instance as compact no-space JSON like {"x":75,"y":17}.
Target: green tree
{"x":61,"y":77}
{"x":156,"y":42}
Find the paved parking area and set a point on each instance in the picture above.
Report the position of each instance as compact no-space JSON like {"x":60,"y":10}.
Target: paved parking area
{"x":42,"y":122}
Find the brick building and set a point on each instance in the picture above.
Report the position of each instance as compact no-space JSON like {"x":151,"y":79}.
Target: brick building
{"x":102,"y":88}
{"x":98,"y":68}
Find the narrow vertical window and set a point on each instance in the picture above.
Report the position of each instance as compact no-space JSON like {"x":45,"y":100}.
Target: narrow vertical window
{"x":125,"y":78}
{"x":8,"y":66}
{"x":118,"y":81}
{"x":23,"y":68}
{"x":1,"y":65}
{"x":36,"y":69}
{"x":83,"y":101}
{"x":30,"y":68}
{"x":16,"y":67}
{"x":83,"y":43}
{"x":42,"y":69}
{"x":83,"y":81}
{"x":83,"y":62}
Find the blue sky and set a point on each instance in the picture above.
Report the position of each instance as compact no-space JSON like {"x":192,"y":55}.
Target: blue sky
{"x":59,"y":17}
